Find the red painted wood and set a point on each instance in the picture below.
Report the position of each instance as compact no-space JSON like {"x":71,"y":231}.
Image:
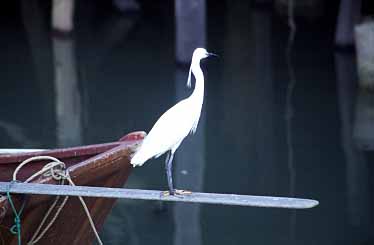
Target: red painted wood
{"x":105,"y":165}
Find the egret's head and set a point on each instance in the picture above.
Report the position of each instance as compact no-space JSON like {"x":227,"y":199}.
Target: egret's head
{"x":201,"y":53}
{"x":198,"y":54}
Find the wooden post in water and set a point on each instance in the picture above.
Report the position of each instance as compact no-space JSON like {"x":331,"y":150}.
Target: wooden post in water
{"x":190,"y":28}
{"x":67,"y":95}
{"x":62,"y":15}
{"x":349,"y":13}
{"x":363,"y":132}
{"x":358,"y":189}
{"x":364,"y":40}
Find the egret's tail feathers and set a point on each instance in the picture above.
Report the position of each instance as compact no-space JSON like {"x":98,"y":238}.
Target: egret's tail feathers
{"x":143,"y":154}
{"x":138,"y":159}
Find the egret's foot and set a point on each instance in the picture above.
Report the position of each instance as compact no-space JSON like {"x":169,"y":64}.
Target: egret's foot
{"x":182,"y":192}
{"x":165,"y":193}
{"x":176,"y":192}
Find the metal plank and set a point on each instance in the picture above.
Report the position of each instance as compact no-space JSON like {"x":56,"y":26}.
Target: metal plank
{"x":195,"y":197}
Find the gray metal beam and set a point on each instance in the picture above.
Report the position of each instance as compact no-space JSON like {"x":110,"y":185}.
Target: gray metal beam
{"x":195,"y":197}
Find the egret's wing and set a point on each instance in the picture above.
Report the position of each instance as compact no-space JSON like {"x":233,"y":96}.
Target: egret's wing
{"x":169,"y":130}
{"x":194,"y":125}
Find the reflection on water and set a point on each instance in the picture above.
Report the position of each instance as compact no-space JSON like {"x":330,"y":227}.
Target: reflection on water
{"x":363,"y":132}
{"x":116,"y":73}
{"x":358,"y":190}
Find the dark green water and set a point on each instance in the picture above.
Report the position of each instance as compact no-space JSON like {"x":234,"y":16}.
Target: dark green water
{"x":264,"y":130}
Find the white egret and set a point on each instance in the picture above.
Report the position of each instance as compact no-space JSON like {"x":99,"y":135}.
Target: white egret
{"x":176,"y":123}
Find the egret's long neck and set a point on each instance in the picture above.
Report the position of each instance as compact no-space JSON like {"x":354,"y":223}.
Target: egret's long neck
{"x":198,"y":93}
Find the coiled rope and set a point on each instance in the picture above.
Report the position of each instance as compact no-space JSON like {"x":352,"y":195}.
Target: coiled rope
{"x":57,"y":170}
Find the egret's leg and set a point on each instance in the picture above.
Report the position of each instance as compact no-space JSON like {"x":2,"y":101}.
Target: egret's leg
{"x":168,"y":166}
{"x":167,"y":160}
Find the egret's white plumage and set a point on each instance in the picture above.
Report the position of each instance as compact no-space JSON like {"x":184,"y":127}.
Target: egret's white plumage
{"x":177,"y":122}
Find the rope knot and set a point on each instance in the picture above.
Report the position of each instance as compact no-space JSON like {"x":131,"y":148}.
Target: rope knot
{"x":16,"y":228}
{"x":55,"y":169}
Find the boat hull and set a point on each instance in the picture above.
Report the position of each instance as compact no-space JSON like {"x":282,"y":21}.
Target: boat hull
{"x":106,"y":165}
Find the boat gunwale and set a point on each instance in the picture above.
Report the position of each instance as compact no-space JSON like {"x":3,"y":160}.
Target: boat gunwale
{"x":90,"y":164}
{"x":72,"y":152}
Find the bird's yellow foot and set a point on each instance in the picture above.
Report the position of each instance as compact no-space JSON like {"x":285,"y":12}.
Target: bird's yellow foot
{"x":176,"y":192}
{"x":182,"y":192}
{"x":165,"y":193}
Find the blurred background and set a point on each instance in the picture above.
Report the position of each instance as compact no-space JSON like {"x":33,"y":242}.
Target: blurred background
{"x":281,"y":116}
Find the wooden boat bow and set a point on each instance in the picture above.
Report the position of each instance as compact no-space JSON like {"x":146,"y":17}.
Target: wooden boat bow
{"x":106,"y":165}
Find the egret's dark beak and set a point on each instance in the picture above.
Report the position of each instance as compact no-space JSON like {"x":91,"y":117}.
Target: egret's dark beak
{"x":211,"y":54}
